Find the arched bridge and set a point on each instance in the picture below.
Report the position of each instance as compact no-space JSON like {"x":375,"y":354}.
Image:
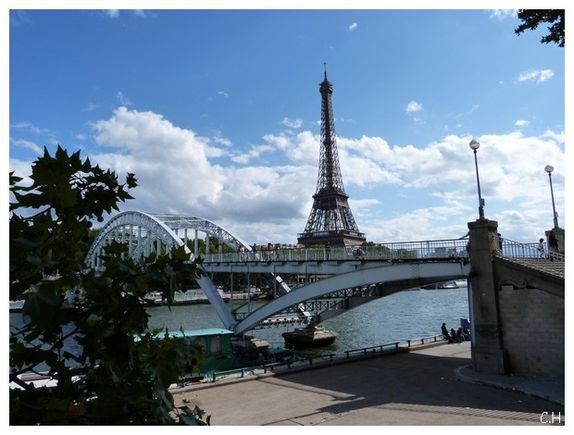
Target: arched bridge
{"x":147,"y":232}
{"x":343,"y":278}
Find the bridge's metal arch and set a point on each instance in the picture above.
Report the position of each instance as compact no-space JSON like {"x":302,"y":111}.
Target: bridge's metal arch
{"x":428,"y":271}
{"x":144,"y":233}
{"x":181,"y":224}
{"x":140,"y":230}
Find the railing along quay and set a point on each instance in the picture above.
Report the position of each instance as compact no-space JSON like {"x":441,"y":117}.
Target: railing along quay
{"x":426,"y":340}
{"x":331,"y":358}
{"x":364,"y":351}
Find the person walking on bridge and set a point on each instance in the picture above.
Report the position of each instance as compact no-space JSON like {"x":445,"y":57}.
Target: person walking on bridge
{"x":541,"y":248}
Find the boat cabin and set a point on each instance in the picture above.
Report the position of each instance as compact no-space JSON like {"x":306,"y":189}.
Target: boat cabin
{"x":218,"y":354}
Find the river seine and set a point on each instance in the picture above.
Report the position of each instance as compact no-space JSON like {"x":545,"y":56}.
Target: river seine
{"x":403,"y":316}
{"x":399,"y":317}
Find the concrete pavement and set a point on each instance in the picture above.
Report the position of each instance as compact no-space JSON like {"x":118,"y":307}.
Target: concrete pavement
{"x":428,"y":386}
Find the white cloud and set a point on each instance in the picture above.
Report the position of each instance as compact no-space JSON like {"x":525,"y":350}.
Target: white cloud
{"x":113,"y":13}
{"x":301,"y":149}
{"x":223,"y":94}
{"x":295,"y":123}
{"x":535,"y":74}
{"x":521,"y":123}
{"x":253,"y":153}
{"x":176,"y":174}
{"x":22,"y":169}
{"x":222,"y":140}
{"x":557,"y":137}
{"x":413,"y":107}
{"x":29,"y":126}
{"x":28,"y":145}
{"x":124,"y":101}
{"x":46,"y":135}
{"x":503,"y":14}
{"x":353,"y":26}
{"x":398,"y":192}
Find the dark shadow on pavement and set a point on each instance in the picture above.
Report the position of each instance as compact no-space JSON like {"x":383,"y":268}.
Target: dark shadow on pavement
{"x":412,"y":379}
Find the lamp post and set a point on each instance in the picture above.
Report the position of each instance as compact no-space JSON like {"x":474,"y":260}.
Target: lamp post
{"x":474,"y":145}
{"x":549,"y":169}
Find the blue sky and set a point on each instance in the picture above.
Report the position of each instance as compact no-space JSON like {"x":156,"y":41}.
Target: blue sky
{"x":217,"y":112}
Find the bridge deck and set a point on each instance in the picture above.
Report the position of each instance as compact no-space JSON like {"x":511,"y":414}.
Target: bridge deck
{"x":326,"y":267}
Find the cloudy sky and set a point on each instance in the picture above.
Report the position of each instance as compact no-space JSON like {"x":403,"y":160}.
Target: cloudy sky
{"x":217,"y":112}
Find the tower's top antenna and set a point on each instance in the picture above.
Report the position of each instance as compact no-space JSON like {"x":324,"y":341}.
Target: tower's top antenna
{"x":325,"y":68}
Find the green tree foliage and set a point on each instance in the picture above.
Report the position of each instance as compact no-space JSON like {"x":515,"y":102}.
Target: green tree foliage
{"x":87,"y":347}
{"x":532,"y":18}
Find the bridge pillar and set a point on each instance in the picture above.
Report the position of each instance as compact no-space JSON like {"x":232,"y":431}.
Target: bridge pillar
{"x":488,"y":353}
{"x":559,"y":234}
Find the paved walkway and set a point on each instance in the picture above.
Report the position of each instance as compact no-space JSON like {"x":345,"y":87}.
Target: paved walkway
{"x":429,"y":386}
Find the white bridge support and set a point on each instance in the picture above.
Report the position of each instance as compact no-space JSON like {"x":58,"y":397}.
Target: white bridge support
{"x":434,"y":271}
{"x":145,"y":233}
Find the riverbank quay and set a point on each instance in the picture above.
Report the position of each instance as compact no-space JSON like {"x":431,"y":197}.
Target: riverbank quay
{"x":420,"y":387}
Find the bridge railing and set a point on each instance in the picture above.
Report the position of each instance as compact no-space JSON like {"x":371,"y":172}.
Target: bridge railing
{"x":512,"y":249}
{"x":450,"y":248}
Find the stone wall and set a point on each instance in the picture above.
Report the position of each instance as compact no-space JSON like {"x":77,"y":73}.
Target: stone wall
{"x":517,"y":309}
{"x":532,"y":324}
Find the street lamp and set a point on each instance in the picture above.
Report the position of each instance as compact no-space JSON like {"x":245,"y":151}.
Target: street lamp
{"x":474,"y":145}
{"x":549,"y":169}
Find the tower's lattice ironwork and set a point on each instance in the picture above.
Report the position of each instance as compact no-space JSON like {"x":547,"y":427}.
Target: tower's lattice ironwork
{"x":331,"y":220}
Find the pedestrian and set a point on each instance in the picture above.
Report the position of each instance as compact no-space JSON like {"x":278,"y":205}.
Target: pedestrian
{"x":444,"y":331}
{"x":453,"y":336}
{"x":459,"y":335}
{"x":541,"y":248}
{"x":327,"y":250}
{"x":359,"y":254}
{"x":499,"y":242}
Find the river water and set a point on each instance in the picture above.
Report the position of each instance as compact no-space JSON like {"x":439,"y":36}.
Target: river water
{"x":402,"y":316}
{"x":399,"y":317}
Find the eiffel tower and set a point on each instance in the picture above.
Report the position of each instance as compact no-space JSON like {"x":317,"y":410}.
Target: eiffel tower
{"x":331,"y":220}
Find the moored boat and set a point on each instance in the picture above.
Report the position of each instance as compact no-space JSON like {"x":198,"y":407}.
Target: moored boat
{"x":441,"y":285}
{"x":314,"y":336}
{"x":216,"y":344}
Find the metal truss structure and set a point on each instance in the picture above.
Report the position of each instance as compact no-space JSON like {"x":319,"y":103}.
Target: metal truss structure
{"x":367,"y":284}
{"x":331,"y":220}
{"x":347,"y":283}
{"x":145,"y":233}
